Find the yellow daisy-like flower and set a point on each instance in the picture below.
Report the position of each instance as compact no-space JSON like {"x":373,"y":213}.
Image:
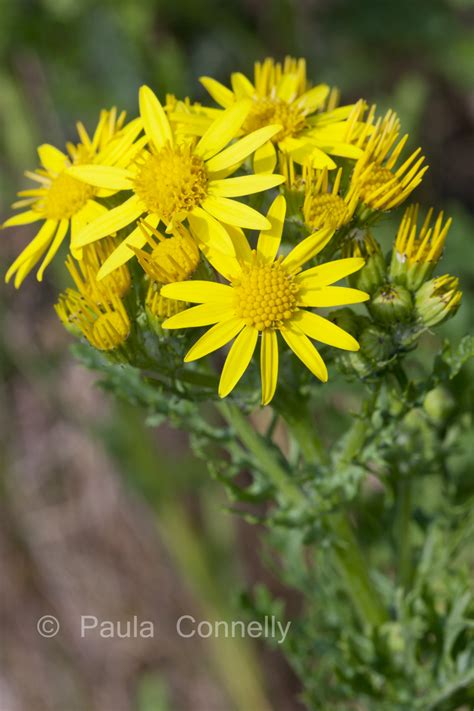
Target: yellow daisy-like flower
{"x":172,"y":258}
{"x":180,"y":178}
{"x":425,"y":245}
{"x":380,"y":184}
{"x":59,"y":200}
{"x":324,"y":206}
{"x":106,"y":324}
{"x":416,"y":252}
{"x":267,"y":293}
{"x":311,"y":128}
{"x":84,"y":272}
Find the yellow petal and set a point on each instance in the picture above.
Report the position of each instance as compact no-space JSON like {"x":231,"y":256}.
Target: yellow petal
{"x":307,"y":249}
{"x":306,"y":352}
{"x":235,"y":213}
{"x":202,"y":315}
{"x":198,"y":291}
{"x":243,"y":251}
{"x":287,"y":87}
{"x":325,"y":274}
{"x":215,"y":338}
{"x":115,"y":150}
{"x":268,"y":365}
{"x":314,"y":98}
{"x":265,"y":158}
{"x":55,"y":244}
{"x":102,"y":176}
{"x":33,"y":251}
{"x":220,"y":93}
{"x":269,"y":240}
{"x":244,"y":185}
{"x":52,"y":158}
{"x":331,"y":296}
{"x":210,"y":232}
{"x":238,"y":359}
{"x":241,"y":149}
{"x":223,"y":130}
{"x":324,"y":331}
{"x":122,"y":254}
{"x":115,"y":219}
{"x":243,"y":88}
{"x":155,"y":121}
{"x":23,"y":218}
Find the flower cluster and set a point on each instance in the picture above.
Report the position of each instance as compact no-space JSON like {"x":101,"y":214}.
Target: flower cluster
{"x":161,"y":203}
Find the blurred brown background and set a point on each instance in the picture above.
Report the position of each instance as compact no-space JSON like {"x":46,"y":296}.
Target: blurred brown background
{"x":100,"y":516}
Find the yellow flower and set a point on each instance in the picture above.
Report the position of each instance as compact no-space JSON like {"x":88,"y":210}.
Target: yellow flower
{"x":324,"y":207}
{"x":84,"y":272}
{"x":172,"y":258}
{"x":312,"y":128}
{"x":416,"y":252}
{"x":426,"y":245}
{"x":178,"y":179}
{"x":61,"y":201}
{"x":380,"y":185}
{"x":267,"y":293}
{"x":106,"y":325}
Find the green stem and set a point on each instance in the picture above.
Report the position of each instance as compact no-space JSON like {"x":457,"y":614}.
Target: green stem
{"x":296,"y":414}
{"x":353,"y":569}
{"x":355,"y":438}
{"x":349,"y":558}
{"x":402,"y":528}
{"x":266,"y":456}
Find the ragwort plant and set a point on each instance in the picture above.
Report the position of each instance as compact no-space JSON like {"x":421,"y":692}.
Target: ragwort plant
{"x":199,"y":235}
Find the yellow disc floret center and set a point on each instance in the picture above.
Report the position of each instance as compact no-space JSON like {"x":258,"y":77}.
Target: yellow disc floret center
{"x":325,"y":209}
{"x":109,"y":331}
{"x":172,"y":182}
{"x":378,"y":178}
{"x":266,"y":295}
{"x":65,"y":197}
{"x":267,"y":111}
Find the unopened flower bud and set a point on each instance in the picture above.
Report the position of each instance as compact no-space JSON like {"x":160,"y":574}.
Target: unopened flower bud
{"x":391,"y":303}
{"x":438,"y":299}
{"x":375,"y":344}
{"x":439,"y":404}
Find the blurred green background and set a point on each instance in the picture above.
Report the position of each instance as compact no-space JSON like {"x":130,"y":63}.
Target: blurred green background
{"x":100,"y":516}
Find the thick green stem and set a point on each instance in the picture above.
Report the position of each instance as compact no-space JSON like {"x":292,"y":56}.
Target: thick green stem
{"x":266,"y":456}
{"x":296,"y":414}
{"x":353,"y":569}
{"x":355,"y":438}
{"x":349,"y":558}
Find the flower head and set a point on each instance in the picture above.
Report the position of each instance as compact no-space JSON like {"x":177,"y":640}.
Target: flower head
{"x":84,"y":272}
{"x":324,"y":206}
{"x":61,"y":201}
{"x":380,"y":184}
{"x":177,"y":178}
{"x":267,"y":294}
{"x":438,"y":299}
{"x":312,"y":129}
{"x":172,"y":258}
{"x":105,"y":325}
{"x":416,"y":252}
